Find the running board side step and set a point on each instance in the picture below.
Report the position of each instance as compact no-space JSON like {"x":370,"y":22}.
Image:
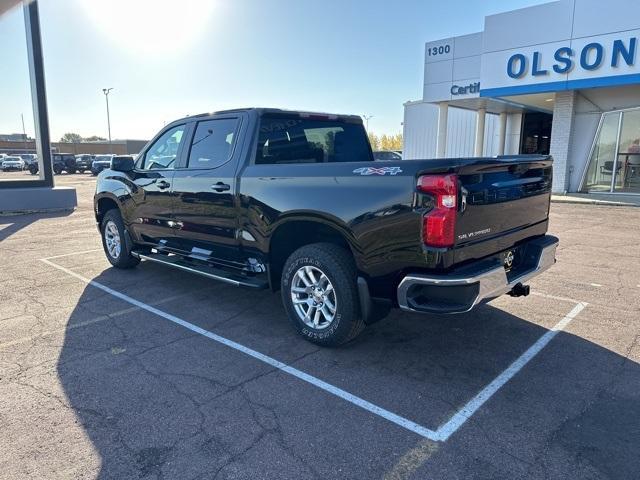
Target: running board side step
{"x":203,"y":270}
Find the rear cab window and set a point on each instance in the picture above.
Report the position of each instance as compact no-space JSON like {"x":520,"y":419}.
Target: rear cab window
{"x":294,"y":138}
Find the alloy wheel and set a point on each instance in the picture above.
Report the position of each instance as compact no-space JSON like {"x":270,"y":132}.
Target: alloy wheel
{"x":112,"y":239}
{"x":313,"y":297}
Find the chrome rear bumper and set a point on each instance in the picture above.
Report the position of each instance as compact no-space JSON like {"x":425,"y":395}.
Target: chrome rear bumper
{"x":458,"y":293}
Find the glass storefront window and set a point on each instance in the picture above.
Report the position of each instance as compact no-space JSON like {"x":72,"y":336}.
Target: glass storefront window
{"x":601,"y":164}
{"x":614,"y":165}
{"x":628,"y":170}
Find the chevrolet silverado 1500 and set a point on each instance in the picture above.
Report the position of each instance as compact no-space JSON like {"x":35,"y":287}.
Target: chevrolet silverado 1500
{"x":294,"y":201}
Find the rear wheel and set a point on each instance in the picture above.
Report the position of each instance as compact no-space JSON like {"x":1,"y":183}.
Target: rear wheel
{"x":33,"y":169}
{"x":115,"y":246}
{"x":320,"y":294}
{"x":57,"y":170}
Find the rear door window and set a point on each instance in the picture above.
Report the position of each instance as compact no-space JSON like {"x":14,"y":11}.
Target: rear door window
{"x":212,"y":143}
{"x":294,"y":139}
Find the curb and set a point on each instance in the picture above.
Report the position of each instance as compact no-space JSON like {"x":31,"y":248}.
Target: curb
{"x":602,"y":203}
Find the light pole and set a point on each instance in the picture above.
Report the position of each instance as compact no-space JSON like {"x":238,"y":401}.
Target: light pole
{"x":106,"y":96}
{"x":366,"y":119}
{"x":24,"y":133}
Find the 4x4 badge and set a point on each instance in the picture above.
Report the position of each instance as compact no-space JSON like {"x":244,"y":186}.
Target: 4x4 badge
{"x":378,"y":170}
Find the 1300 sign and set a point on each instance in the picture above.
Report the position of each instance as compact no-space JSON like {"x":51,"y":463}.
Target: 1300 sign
{"x":441,"y":50}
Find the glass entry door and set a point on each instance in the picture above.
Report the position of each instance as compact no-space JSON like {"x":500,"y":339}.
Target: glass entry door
{"x":614,"y":164}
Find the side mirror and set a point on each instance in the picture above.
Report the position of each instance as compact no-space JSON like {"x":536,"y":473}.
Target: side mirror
{"x":122,"y":163}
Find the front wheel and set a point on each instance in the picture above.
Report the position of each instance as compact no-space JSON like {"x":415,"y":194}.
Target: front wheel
{"x":320,"y":294}
{"x":118,"y":250}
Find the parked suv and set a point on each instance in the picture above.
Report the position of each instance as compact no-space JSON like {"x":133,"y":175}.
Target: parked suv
{"x":29,"y":158}
{"x":12,"y":163}
{"x":294,"y":201}
{"x":100,"y":162}
{"x":84,"y":162}
{"x":61,"y":162}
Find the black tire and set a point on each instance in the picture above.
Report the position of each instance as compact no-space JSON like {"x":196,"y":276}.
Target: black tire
{"x":33,"y":169}
{"x":123,"y":259}
{"x":57,"y":170}
{"x":338,"y":266}
{"x":71,"y":171}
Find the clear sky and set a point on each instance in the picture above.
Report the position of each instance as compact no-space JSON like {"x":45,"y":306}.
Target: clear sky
{"x":168,"y":59}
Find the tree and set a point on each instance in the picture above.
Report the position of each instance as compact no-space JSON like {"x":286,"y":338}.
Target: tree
{"x":391,"y":142}
{"x":71,"y":138}
{"x":94,"y":138}
{"x":374,"y":140}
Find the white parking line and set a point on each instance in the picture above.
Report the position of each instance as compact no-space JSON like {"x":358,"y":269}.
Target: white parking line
{"x":85,"y":323}
{"x":72,"y":254}
{"x":556,"y":297}
{"x":441,"y":434}
{"x":445,"y":431}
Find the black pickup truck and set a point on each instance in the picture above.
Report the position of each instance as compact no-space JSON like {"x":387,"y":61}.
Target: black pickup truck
{"x":294,"y":201}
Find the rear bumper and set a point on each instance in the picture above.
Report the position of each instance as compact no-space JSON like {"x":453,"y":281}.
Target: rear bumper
{"x":462,"y":290}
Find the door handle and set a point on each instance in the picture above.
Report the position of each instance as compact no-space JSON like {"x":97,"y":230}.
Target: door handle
{"x":163,"y":184}
{"x":220,"y":187}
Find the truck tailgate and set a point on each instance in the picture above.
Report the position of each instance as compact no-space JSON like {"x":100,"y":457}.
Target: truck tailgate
{"x":500,"y":196}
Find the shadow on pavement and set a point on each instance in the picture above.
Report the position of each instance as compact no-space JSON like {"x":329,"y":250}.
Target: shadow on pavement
{"x":11,"y":224}
{"x":158,"y":401}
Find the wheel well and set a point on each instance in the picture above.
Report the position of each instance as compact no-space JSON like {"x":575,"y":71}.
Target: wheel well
{"x":104,"y":205}
{"x":293,"y":235}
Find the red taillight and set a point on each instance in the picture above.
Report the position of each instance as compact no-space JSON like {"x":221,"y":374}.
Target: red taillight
{"x":439,"y":225}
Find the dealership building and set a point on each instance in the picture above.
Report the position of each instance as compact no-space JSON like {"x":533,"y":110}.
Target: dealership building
{"x":561,"y":78}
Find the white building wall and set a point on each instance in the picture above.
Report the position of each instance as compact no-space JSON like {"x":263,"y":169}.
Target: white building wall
{"x":514,"y":130}
{"x":420,"y":132}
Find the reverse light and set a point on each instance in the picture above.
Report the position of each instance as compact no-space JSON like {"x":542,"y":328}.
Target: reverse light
{"x":439,"y":224}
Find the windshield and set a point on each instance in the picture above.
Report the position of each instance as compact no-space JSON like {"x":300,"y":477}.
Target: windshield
{"x":103,"y":158}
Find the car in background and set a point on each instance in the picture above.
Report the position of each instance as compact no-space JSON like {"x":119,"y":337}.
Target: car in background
{"x":12,"y":163}
{"x":29,"y":158}
{"x":386,"y":155}
{"x":101,"y":162}
{"x":62,"y":162}
{"x":84,"y":162}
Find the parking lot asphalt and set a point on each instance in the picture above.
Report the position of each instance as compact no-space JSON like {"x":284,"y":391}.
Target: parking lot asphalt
{"x":100,"y":381}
